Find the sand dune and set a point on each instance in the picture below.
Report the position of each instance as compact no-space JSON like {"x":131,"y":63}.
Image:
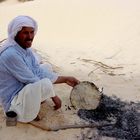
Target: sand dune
{"x":94,"y":40}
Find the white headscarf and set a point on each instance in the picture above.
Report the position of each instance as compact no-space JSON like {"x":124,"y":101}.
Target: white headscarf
{"x":15,"y":26}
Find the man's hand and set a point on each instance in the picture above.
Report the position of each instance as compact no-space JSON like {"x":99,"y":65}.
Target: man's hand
{"x":71,"y":81}
{"x":57,"y":102}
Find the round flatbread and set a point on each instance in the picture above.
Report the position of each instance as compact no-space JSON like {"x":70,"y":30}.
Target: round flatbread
{"x":85,"y":95}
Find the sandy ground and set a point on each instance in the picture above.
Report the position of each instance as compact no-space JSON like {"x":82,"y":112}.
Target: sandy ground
{"x":93,"y":40}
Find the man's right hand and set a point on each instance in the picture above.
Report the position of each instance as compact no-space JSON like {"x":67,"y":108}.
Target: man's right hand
{"x":57,"y":102}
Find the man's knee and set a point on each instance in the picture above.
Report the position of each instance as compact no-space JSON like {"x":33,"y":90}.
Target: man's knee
{"x":47,"y":87}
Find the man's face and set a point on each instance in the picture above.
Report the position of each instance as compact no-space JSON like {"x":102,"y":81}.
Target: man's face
{"x":25,"y":37}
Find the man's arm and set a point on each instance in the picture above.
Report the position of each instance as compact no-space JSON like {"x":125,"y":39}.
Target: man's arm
{"x":69,"y":80}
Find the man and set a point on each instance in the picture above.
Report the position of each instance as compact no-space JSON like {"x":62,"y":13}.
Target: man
{"x":23,"y":83}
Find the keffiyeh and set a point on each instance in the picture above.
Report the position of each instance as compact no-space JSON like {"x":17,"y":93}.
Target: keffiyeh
{"x":15,"y":26}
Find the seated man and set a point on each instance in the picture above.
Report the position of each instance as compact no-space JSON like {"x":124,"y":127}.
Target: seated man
{"x":24,"y":84}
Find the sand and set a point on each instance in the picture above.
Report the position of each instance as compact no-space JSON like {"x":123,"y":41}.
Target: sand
{"x":93,"y":40}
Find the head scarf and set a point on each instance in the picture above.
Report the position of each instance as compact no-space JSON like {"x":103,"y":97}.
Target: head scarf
{"x":15,"y":26}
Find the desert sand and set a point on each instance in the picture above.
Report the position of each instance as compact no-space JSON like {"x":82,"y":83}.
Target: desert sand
{"x":93,"y":40}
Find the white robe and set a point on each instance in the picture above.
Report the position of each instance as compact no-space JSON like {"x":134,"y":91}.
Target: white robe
{"x":27,"y":103}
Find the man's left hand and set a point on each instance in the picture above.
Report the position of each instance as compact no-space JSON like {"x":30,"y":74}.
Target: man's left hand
{"x":72,"y":81}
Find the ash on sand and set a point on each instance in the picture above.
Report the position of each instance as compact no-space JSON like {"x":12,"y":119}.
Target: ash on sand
{"x":123,"y":117}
